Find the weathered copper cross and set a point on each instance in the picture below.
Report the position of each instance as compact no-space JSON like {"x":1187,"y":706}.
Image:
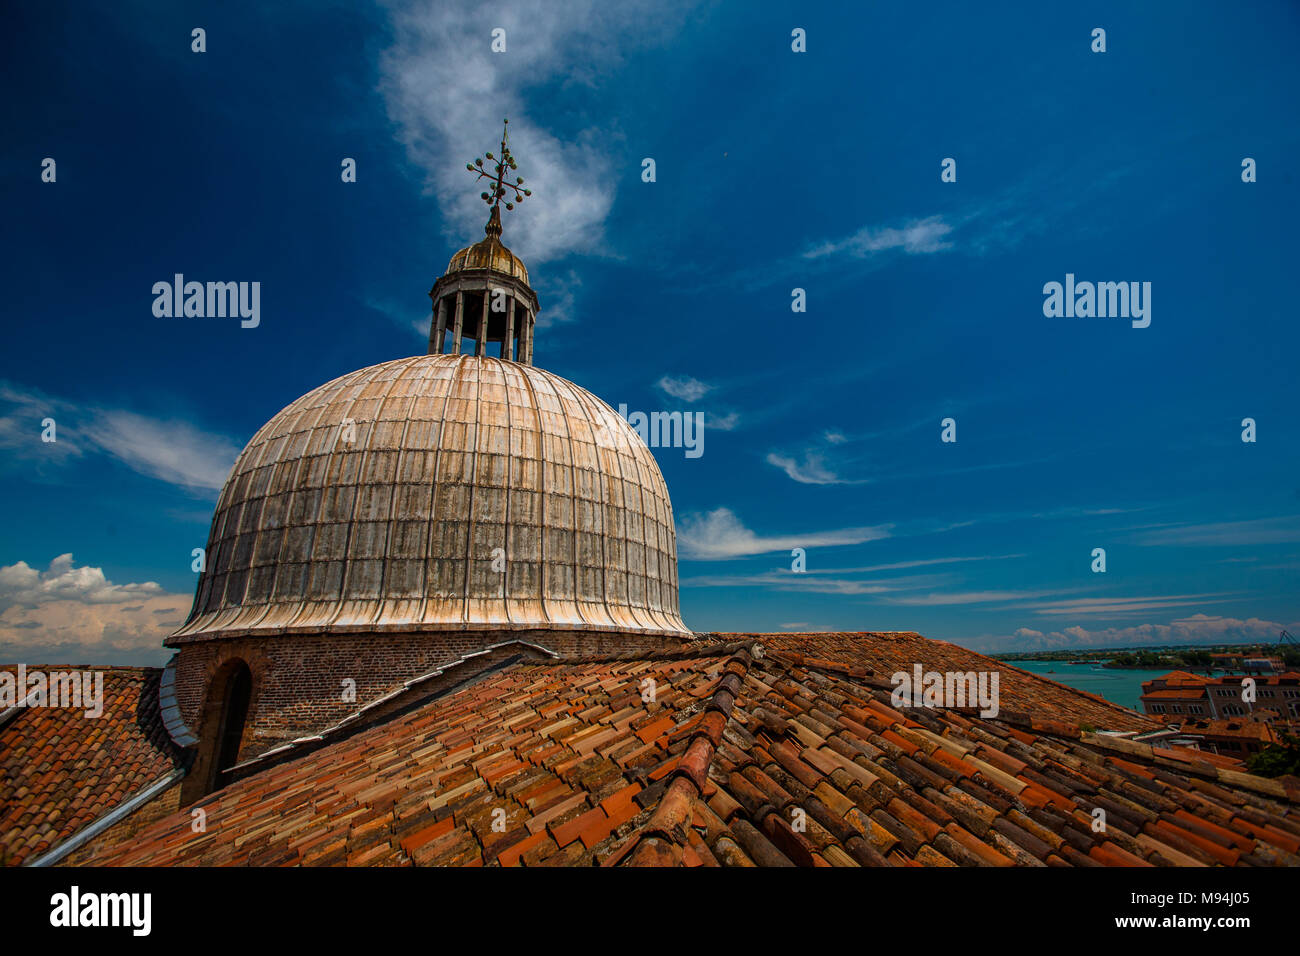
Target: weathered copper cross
{"x":502,"y":163}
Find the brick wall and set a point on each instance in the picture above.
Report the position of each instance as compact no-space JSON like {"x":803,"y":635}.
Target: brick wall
{"x":298,"y":680}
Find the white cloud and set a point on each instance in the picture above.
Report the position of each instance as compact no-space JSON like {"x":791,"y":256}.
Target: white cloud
{"x":1117,"y":606}
{"x":1196,"y":629}
{"x":76,"y":614}
{"x":811,"y":470}
{"x":719,"y":535}
{"x":686,"y":388}
{"x":808,"y":583}
{"x":404,"y":316}
{"x":447,"y":92}
{"x":727,"y":422}
{"x":924,"y":562}
{"x":170,"y":450}
{"x":917,"y":237}
{"x":557,"y":295}
{"x":967,"y":597}
{"x":21,"y":584}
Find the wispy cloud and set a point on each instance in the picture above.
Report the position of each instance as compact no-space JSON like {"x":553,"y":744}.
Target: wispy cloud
{"x":684,"y":387}
{"x":924,"y":562}
{"x":557,"y":295}
{"x":809,"y":583}
{"x":1059,"y":606}
{"x":818,"y":463}
{"x":719,"y":535}
{"x":917,"y":237}
{"x":843,"y":580}
{"x":1119,"y":607}
{"x":723,"y":422}
{"x":812,"y":469}
{"x":414,"y":320}
{"x":984,"y":225}
{"x":173,"y":451}
{"x":944,"y":598}
{"x":1280,"y":530}
{"x":446,"y":91}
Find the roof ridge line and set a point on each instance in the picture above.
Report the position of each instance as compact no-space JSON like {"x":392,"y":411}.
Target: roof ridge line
{"x":800,"y":659}
{"x":689,"y":651}
{"x":655,"y":843}
{"x":797,"y":659}
{"x":1268,"y":786}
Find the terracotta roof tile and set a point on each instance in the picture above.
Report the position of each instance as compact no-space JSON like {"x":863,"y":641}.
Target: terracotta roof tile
{"x":527,"y":740}
{"x":61,"y":770}
{"x":795,"y":757}
{"x":934,"y":787}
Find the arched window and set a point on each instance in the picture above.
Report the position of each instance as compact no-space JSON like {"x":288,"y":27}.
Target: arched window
{"x":234,"y":712}
{"x":221,"y":729}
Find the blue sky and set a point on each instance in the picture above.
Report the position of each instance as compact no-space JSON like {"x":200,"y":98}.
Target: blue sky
{"x":775,"y":170}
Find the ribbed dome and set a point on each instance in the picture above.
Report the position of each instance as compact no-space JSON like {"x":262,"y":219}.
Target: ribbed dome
{"x":488,"y":253}
{"x":453,"y":457}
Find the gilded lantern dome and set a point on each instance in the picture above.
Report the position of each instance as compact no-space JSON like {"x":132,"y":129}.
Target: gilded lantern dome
{"x":488,"y":253}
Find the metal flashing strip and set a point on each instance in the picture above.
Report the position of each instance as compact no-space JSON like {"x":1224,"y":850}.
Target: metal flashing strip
{"x":11,"y":712}
{"x":117,"y":814}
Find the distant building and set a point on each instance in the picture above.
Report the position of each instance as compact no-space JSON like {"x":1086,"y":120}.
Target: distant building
{"x":1179,"y":694}
{"x":1182,"y":694}
{"x":1230,"y":738}
{"x":1251,"y":661}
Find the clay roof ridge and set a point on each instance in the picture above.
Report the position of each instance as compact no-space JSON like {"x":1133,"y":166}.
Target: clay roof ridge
{"x":691,"y":651}
{"x":134,"y":674}
{"x":1232,"y":777}
{"x":822,"y":664}
{"x":129,"y":671}
{"x":1042,"y":725}
{"x":658,"y":842}
{"x":867,"y":676}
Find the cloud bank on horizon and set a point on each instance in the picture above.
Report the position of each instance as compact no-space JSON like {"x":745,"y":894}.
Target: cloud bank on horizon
{"x":68,"y":614}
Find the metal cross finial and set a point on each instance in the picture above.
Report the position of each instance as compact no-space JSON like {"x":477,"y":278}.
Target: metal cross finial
{"x":496,"y":176}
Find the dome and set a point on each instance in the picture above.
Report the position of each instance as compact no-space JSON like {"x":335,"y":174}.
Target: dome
{"x":440,"y":492}
{"x":488,"y":253}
